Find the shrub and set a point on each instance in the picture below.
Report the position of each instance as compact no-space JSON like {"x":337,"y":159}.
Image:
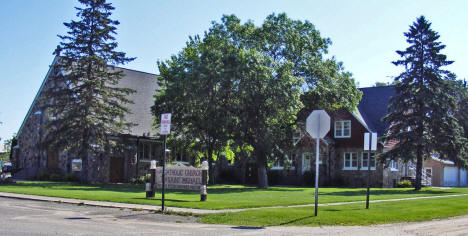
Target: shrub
{"x":43,"y":175}
{"x":55,"y":177}
{"x":142,"y":179}
{"x":404,"y":184}
{"x":274,"y":177}
{"x":70,"y":178}
{"x":309,"y":178}
{"x":228,"y":176}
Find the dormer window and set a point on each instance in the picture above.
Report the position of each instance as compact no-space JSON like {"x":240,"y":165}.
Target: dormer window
{"x":343,"y":129}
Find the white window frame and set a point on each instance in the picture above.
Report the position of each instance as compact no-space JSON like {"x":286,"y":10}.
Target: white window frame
{"x":353,"y":155}
{"x":393,"y":165}
{"x":428,"y":168}
{"x":362,"y":160}
{"x":339,"y":127}
{"x":308,"y":168}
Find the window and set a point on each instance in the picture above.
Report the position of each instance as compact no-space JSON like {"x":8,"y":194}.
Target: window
{"x":428,"y":172}
{"x":343,"y":129}
{"x":350,"y":161}
{"x":365,"y":160}
{"x":393,"y":165}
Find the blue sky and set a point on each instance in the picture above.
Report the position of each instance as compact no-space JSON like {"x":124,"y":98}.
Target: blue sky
{"x":365,"y":35}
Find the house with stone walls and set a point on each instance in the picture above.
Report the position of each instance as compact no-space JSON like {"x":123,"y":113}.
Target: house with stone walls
{"x":342,"y":160}
{"x":141,"y":142}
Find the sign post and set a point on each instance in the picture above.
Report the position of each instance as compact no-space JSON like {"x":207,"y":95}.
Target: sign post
{"x":317,"y":125}
{"x":164,"y":130}
{"x":370,"y":144}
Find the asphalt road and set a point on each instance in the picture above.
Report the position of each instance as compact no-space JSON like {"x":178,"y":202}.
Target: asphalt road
{"x":25,"y":217}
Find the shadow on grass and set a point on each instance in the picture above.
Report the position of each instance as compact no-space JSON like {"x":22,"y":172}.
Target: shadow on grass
{"x":294,"y":221}
{"x":247,"y":227}
{"x":159,"y":199}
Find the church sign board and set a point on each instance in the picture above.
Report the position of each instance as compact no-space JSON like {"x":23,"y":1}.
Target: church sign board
{"x":180,"y":176}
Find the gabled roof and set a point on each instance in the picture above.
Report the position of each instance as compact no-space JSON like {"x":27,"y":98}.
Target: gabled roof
{"x":373,"y":107}
{"x":145,"y":85}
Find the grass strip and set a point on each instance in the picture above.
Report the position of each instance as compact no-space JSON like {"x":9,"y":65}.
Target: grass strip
{"x":351,"y":214}
{"x":219,"y":196}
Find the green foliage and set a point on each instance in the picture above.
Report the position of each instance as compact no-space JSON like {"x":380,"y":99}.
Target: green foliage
{"x":70,"y":178}
{"x":7,"y":146}
{"x":243,"y":83}
{"x":422,"y":112}
{"x":55,"y":177}
{"x":309,"y":178}
{"x":142,"y":179}
{"x":87,"y":106}
{"x":219,"y":196}
{"x":349,"y":214}
{"x":404,"y":184}
{"x":43,"y":175}
{"x":274,"y":177}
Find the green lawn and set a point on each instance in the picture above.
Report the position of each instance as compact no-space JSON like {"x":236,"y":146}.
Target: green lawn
{"x":219,"y":196}
{"x":351,"y":214}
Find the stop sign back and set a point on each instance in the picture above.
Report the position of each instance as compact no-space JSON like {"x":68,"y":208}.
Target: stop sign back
{"x":318,"y":124}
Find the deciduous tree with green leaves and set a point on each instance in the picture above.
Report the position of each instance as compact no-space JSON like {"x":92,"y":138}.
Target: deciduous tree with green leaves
{"x":259,"y":75}
{"x":196,"y":89}
{"x":83,"y":100}
{"x":422,"y":111}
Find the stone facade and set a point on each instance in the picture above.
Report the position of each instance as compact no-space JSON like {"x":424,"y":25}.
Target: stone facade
{"x":120,"y":163}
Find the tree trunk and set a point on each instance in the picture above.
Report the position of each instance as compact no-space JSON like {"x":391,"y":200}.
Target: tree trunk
{"x":419,"y":162}
{"x":210,"y":165}
{"x":262,"y":173}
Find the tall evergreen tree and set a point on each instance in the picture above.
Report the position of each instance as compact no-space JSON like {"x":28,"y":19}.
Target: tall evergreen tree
{"x":422,"y":112}
{"x":83,"y":98}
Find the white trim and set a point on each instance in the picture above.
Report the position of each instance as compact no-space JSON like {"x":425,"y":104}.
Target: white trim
{"x":428,"y":168}
{"x":310,"y":161}
{"x":342,"y":124}
{"x":393,"y":164}
{"x":362,"y":161}
{"x":276,"y":168}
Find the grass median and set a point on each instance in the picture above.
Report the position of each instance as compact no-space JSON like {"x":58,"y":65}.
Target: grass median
{"x":350,"y":214}
{"x":219,"y":196}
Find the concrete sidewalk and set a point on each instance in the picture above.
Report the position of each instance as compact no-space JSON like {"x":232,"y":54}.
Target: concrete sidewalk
{"x":190,"y":210}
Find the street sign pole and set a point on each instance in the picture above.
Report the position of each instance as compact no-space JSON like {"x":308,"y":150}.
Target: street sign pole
{"x":164,"y":130}
{"x":317,"y":144}
{"x":370,"y":144}
{"x":368,"y":171}
{"x":317,"y":125}
{"x":163,"y":174}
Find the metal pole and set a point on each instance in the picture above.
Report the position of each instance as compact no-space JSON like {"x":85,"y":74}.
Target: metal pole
{"x":316,"y":173}
{"x":368,"y":170}
{"x":163,"y":174}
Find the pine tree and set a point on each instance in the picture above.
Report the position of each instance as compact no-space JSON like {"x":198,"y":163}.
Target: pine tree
{"x":83,"y":100}
{"x":422,"y":112}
